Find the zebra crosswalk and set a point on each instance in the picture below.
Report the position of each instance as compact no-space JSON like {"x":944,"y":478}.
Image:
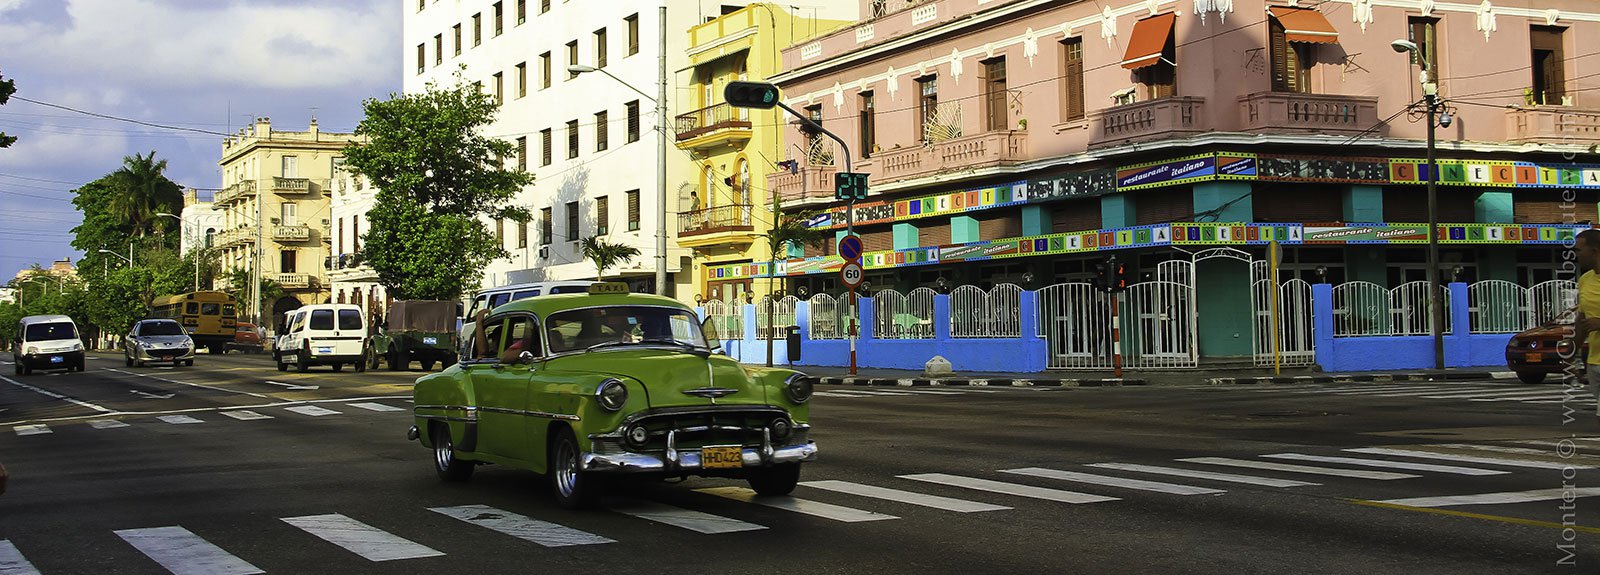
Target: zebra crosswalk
{"x":395,"y":535}
{"x":857,"y":392}
{"x":1481,"y":392}
{"x":197,"y":417}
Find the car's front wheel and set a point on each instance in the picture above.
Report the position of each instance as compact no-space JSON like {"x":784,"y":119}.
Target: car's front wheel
{"x":776,"y":480}
{"x":127,"y":360}
{"x":1530,"y":377}
{"x":278,"y":359}
{"x":444,"y":456}
{"x":574,"y":488}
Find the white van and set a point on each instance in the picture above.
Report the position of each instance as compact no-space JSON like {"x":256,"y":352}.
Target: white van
{"x":323,"y":334}
{"x":47,"y":342}
{"x":495,"y":297}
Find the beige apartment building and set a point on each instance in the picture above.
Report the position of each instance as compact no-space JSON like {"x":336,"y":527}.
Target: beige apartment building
{"x":275,"y":193}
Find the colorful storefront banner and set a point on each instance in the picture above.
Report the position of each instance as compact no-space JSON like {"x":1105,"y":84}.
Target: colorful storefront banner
{"x":926,"y":206}
{"x":1167,"y":173}
{"x":1176,"y":234}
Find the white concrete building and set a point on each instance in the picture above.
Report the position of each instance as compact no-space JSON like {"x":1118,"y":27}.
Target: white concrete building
{"x":200,"y":221}
{"x":589,"y":139}
{"x":353,"y":281}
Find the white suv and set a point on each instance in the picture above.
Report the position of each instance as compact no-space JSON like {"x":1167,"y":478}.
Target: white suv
{"x":323,"y":334}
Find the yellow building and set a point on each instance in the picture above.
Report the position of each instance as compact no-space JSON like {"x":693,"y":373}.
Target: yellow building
{"x":726,"y":212}
{"x":282,"y":178}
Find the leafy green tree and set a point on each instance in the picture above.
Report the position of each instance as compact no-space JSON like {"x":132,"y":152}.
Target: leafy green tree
{"x":788,"y":230}
{"x":606,"y":255}
{"x":438,"y":179}
{"x":7,"y":88}
{"x":143,"y":191}
{"x":124,"y":296}
{"x":270,"y":291}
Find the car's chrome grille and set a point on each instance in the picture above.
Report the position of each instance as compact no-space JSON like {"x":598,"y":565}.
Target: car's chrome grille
{"x":702,"y":429}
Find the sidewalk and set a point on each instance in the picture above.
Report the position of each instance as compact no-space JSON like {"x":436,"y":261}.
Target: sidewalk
{"x":894,"y":377}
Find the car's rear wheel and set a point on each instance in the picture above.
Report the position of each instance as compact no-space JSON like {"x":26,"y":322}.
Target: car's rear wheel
{"x":278,"y":359}
{"x":338,"y":367}
{"x":427,"y":365}
{"x":397,"y":361}
{"x":302,"y":362}
{"x":1530,"y":377}
{"x":127,"y":360}
{"x":776,"y":480}
{"x":372,"y":359}
{"x":574,"y":488}
{"x":444,"y":456}
{"x":360,"y":365}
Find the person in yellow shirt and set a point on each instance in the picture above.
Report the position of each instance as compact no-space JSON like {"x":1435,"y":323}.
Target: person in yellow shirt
{"x":1587,"y":329}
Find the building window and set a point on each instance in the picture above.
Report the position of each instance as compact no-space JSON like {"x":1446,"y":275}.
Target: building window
{"x":572,"y":58}
{"x":522,"y":228}
{"x":572,"y":221}
{"x":546,"y":154}
{"x":522,"y":154}
{"x":422,"y":57}
{"x":438,"y":49}
{"x":544,"y":70}
{"x":1423,"y":32}
{"x":602,"y":131}
{"x":455,"y":31}
{"x":421,"y":4}
{"x":290,"y":214}
{"x":633,"y":210}
{"x":355,"y":233}
{"x":522,"y":79}
{"x":927,"y":106}
{"x":813,"y":138}
{"x":291,"y":167}
{"x":633,"y":34}
{"x":1291,"y":61}
{"x":869,"y":124}
{"x":602,"y":209}
{"x":522,"y":13}
{"x":572,"y":139}
{"x":995,"y":95}
{"x":1072,"y":73}
{"x":338,"y":235}
{"x":741,"y":183}
{"x":544,"y":227}
{"x":633,"y":121}
{"x":500,"y":232}
{"x":477,"y":29}
{"x":600,"y":48}
{"x":544,"y":6}
{"x":1549,"y":78}
{"x":499,"y":88}
{"x":286,"y":261}
{"x":499,"y":18}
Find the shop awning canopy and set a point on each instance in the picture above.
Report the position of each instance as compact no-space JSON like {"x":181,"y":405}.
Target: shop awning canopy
{"x":1304,"y":25}
{"x":1149,"y":42}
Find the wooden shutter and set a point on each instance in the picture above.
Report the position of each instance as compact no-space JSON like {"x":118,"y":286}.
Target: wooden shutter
{"x":1539,"y":206}
{"x":1548,"y":62}
{"x":999,"y":224}
{"x":1298,"y":203}
{"x":1075,"y":216}
{"x":877,"y":241}
{"x":933,"y":234}
{"x":1072,"y":56}
{"x":1162,"y":206}
{"x":1282,"y":53}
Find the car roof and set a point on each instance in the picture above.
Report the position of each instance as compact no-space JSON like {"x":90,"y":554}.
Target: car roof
{"x":545,"y":305}
{"x":531,"y":285}
{"x":44,"y":319}
{"x":158,"y":320}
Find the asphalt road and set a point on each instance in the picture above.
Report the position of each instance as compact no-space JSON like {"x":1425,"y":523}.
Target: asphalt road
{"x":233,"y":467}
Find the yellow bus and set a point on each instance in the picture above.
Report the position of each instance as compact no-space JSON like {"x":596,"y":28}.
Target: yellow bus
{"x":208,"y":316}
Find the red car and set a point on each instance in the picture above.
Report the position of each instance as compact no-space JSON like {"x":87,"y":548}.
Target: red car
{"x":246,"y":338}
{"x":1543,"y":350}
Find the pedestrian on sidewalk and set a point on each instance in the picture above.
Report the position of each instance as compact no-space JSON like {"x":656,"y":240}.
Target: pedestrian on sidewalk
{"x":1587,"y":327}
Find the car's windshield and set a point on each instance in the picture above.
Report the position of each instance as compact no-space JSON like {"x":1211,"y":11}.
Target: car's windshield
{"x":155,"y":328}
{"x":51,"y":331}
{"x":580,"y":329}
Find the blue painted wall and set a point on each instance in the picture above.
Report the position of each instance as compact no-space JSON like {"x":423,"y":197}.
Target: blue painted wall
{"x":1461,"y":347}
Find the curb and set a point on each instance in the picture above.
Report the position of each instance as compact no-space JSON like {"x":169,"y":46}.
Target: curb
{"x":967,"y":382}
{"x":1362,"y":378}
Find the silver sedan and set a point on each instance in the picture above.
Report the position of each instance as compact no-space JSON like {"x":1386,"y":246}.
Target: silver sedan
{"x":157,"y":340}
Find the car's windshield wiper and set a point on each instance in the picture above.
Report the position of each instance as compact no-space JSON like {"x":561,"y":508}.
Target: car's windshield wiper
{"x":656,"y":341}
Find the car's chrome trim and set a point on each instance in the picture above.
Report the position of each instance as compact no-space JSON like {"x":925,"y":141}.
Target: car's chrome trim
{"x":711,"y":392}
{"x":545,"y":414}
{"x":471,"y":414}
{"x":446,"y":418}
{"x":689,"y":460}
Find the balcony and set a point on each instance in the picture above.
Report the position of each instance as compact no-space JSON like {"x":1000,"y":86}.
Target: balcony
{"x":291,"y":233}
{"x":230,"y":238}
{"x":234,"y":192}
{"x":1296,"y":113}
{"x":1553,"y":125}
{"x":294,"y":281}
{"x":959,"y":153}
{"x":291,"y":185}
{"x":716,"y":225}
{"x":713,"y":126}
{"x":1163,"y":119}
{"x":808,"y":182}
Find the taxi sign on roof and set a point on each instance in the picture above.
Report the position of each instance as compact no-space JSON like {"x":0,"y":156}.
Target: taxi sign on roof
{"x":607,"y":288}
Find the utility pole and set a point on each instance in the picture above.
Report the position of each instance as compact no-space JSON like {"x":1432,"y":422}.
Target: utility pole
{"x":255,"y":283}
{"x":661,"y":165}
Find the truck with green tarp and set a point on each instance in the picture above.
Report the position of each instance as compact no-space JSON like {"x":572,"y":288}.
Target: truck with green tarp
{"x":416,"y":330}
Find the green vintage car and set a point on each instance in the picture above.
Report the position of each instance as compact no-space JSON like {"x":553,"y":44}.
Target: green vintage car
{"x":590,"y":388}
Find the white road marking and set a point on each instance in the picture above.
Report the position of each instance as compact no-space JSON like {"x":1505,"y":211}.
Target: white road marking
{"x":923,"y":499}
{"x":12,"y":562}
{"x":787,"y":503}
{"x":375,"y":406}
{"x":1156,"y":486}
{"x":1212,"y":475}
{"x":1437,"y":392}
{"x":678,"y":517}
{"x":1555,"y":442}
{"x":524,"y":528}
{"x":1564,"y":399}
{"x":106,"y":423}
{"x":1009,"y":488}
{"x":190,"y":384}
{"x":312,"y":410}
{"x":1497,"y":449}
{"x":1496,"y":394}
{"x":1467,"y":458}
{"x":1389,"y":464}
{"x":365,"y":540}
{"x":39,"y":429}
{"x":184,"y":553}
{"x":1364,"y":390}
{"x":292,"y":386}
{"x":1497,"y":498}
{"x":245,"y":415}
{"x":179,"y":419}
{"x":148,"y":395}
{"x":54,"y":395}
{"x":1287,"y":468}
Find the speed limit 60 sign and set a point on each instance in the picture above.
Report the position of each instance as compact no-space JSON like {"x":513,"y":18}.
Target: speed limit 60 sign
{"x":851,"y":274}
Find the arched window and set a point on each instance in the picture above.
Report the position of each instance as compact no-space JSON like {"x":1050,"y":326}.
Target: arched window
{"x":210,"y":232}
{"x":741,"y":183}
{"x":708,"y":192}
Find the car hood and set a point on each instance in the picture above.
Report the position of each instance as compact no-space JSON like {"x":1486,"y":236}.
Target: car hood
{"x":163,"y":340}
{"x":1548,"y":330}
{"x":671,"y":378}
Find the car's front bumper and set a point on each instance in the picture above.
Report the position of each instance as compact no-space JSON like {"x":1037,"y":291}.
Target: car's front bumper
{"x":675,"y":460}
{"x":162,"y":354}
{"x":45,"y":361}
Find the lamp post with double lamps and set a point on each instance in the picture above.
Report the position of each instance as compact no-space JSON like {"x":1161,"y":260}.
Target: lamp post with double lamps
{"x":1431,"y":103}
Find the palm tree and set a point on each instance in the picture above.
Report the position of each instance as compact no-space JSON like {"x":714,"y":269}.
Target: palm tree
{"x":788,"y":230}
{"x":144,"y":191}
{"x":605,"y":254}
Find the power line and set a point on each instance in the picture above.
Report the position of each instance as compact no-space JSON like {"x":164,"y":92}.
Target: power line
{"x":119,"y":118}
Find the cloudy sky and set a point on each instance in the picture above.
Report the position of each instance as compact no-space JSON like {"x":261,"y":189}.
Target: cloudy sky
{"x":204,"y":64}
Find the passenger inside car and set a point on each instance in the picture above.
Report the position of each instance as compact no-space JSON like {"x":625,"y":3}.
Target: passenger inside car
{"x":486,"y":339}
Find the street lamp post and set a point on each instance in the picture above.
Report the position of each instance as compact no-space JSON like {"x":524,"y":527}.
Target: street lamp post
{"x":661,"y":144}
{"x":181,"y":228}
{"x":1430,"y":95}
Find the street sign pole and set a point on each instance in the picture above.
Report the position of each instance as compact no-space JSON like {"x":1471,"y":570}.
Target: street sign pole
{"x":850,"y":230}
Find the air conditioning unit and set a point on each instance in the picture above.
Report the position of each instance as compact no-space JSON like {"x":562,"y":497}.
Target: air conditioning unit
{"x":544,"y":252}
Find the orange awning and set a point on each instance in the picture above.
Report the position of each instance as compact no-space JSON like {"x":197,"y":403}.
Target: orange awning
{"x":1304,"y":25}
{"x":1150,"y":37}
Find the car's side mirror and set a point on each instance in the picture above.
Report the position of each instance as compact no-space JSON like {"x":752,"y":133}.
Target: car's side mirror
{"x":710,"y":332}
{"x":526,"y":357}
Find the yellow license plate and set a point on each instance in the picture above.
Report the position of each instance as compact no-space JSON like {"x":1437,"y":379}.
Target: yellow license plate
{"x":1534,"y":357}
{"x":721,"y":457}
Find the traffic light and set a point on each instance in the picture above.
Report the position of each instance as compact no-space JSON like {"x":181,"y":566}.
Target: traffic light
{"x":1119,"y":276}
{"x":1099,"y":282}
{"x":751,"y":95}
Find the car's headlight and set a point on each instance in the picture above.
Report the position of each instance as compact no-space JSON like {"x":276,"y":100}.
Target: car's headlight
{"x":798,"y":387}
{"x":612,"y":394}
{"x":77,"y":347}
{"x":33,"y":350}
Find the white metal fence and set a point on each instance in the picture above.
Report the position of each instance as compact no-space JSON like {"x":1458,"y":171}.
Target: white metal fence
{"x":1293,"y":328}
{"x":1158,"y":326}
{"x":908,"y":316}
{"x":996,"y":313}
{"x":1075,"y":321}
{"x":1497,"y":306}
{"x":727,"y":317}
{"x":827,"y":317}
{"x":1546,"y":300}
{"x":781,"y":313}
{"x":1360,"y":308}
{"x":1411,"y":304}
